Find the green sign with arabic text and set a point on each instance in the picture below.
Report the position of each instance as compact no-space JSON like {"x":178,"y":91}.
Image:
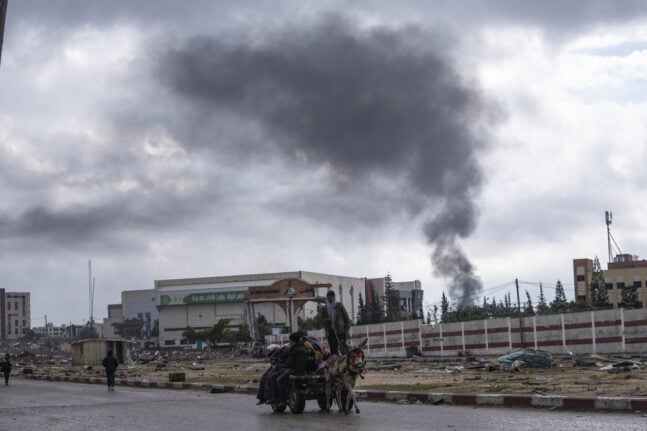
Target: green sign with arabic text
{"x":203,"y":298}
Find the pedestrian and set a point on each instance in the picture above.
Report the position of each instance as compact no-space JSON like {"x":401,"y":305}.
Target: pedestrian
{"x":336,"y":323}
{"x":110,"y":364}
{"x":6,"y":369}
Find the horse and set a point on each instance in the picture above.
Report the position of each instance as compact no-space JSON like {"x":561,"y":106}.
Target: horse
{"x":342,"y":370}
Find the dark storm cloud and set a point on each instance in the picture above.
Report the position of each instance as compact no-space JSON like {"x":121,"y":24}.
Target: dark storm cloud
{"x":370,"y":104}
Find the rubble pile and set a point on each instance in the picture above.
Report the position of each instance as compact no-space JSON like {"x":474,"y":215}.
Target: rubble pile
{"x":516,"y":373}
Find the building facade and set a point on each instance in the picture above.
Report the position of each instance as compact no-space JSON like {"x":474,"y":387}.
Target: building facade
{"x":202,"y":302}
{"x":15,"y":318}
{"x":625,"y":272}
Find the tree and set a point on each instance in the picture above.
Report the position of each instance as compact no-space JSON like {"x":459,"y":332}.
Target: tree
{"x":310,"y":323}
{"x":242,"y":335}
{"x":599,"y":294}
{"x":30,"y":335}
{"x":263,"y":327}
{"x":542,"y":307}
{"x":375,"y":311}
{"x":362,"y":312}
{"x":88,"y":332}
{"x":629,"y":297}
{"x":129,"y":328}
{"x":191,"y":335}
{"x":444,"y":308}
{"x":428,"y":318}
{"x":155,"y":332}
{"x":391,"y":299}
{"x":560,"y":295}
{"x":435,"y":313}
{"x":559,"y":304}
{"x":529,"y":308}
{"x":219,"y":333}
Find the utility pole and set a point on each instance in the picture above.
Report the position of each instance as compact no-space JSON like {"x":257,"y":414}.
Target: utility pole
{"x":91,"y":294}
{"x":523,"y":341}
{"x":3,"y":15}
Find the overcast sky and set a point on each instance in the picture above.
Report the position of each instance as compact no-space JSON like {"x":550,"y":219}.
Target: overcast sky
{"x":460,"y":143}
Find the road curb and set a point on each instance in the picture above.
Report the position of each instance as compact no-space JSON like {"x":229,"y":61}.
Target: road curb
{"x":499,"y":400}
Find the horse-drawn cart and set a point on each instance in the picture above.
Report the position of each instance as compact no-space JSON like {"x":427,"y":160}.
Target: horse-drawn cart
{"x":336,"y":383}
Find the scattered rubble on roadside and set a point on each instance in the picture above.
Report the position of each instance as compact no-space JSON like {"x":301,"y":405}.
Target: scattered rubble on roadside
{"x":579,"y":375}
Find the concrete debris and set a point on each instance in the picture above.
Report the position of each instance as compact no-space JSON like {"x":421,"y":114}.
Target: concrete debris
{"x":388,"y":367}
{"x":621,"y":367}
{"x":525,"y":358}
{"x":195,"y":366}
{"x":445,"y":370}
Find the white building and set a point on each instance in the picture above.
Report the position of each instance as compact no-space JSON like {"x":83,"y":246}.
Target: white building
{"x":201,"y":302}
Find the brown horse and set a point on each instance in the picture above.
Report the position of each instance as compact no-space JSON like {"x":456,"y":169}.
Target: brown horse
{"x":341,"y":373}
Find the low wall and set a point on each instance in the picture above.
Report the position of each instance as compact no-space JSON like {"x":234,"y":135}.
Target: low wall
{"x":604,"y":331}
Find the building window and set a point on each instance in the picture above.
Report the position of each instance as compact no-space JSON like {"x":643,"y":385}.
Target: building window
{"x":608,"y":286}
{"x":620,"y":285}
{"x":580,"y":278}
{"x":637,"y":285}
{"x":581,"y":297}
{"x":24,"y":323}
{"x":169,"y":342}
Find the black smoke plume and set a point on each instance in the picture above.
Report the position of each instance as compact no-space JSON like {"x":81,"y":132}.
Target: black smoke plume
{"x":370,"y":103}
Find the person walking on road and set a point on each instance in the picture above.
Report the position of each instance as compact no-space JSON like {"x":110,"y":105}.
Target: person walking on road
{"x":110,"y":364}
{"x":336,"y":322}
{"x":6,"y":369}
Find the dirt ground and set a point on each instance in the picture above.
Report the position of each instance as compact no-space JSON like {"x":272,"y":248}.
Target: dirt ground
{"x":407,"y":375}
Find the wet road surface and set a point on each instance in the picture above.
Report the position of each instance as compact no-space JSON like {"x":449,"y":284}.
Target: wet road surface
{"x":36,"y":405}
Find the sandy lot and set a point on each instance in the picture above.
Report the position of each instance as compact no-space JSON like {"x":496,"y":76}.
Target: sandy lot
{"x":411,"y":375}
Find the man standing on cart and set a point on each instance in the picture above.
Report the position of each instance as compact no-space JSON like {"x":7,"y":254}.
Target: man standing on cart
{"x":336,"y":322}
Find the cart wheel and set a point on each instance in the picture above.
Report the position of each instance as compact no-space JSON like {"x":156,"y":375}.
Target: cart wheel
{"x":296,"y":401}
{"x":279,"y":407}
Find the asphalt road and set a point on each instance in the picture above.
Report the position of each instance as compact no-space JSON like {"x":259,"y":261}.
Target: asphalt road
{"x":28,"y":405}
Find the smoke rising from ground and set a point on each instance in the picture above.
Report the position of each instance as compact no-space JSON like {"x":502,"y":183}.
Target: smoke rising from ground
{"x":366,"y":103}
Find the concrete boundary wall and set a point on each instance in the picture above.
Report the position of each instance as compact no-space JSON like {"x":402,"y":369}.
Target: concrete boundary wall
{"x":604,"y":331}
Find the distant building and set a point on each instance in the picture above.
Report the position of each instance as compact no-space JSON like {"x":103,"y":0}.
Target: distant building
{"x":15,"y":314}
{"x":135,"y":304}
{"x":626,"y":271}
{"x":140,"y":304}
{"x":410,"y":295}
{"x":57,"y":332}
{"x":115,"y":315}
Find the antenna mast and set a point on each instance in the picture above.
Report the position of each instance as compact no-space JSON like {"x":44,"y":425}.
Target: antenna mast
{"x":611,"y":241}
{"x":91,"y":292}
{"x":607,"y":217}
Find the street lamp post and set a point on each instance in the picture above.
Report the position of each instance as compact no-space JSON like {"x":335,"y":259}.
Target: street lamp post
{"x":290,"y":294}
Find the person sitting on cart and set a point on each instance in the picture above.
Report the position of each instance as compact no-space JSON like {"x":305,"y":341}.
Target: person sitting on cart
{"x":295,"y":366}
{"x":273,"y":355}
